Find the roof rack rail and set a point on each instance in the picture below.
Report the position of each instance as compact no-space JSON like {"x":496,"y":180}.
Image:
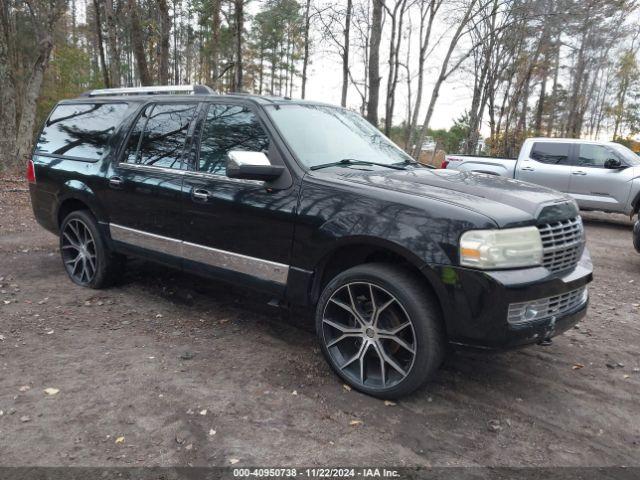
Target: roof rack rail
{"x":152,"y":90}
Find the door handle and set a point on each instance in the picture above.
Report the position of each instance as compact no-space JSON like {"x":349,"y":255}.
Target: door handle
{"x":201,"y":194}
{"x":528,"y":169}
{"x":579,"y":172}
{"x":116,"y":181}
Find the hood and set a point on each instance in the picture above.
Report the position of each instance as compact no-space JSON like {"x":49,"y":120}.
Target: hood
{"x":506,"y":201}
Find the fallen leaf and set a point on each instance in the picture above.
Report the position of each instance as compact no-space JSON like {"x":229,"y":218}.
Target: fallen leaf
{"x":120,"y":440}
{"x":212,"y":432}
{"x":25,"y":418}
{"x":295,"y":392}
{"x":188,"y":447}
{"x":346,"y":387}
{"x":24,"y":388}
{"x":233,"y":461}
{"x":203,"y":412}
{"x":626,"y":376}
{"x":2,"y":338}
{"x":355,"y":423}
{"x":389,"y":403}
{"x":51,"y":391}
{"x":577,"y":366}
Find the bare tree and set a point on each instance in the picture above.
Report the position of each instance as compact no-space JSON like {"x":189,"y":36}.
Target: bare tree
{"x":374,"y":61}
{"x":446,"y":69}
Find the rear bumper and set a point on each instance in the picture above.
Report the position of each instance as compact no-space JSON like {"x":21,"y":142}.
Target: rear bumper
{"x":476,"y":304}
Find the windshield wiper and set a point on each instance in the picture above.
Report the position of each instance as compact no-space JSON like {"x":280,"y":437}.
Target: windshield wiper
{"x":353,"y":161}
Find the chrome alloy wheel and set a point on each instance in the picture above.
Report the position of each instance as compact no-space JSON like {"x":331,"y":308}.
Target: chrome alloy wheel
{"x":79,"y":251}
{"x":369,"y":335}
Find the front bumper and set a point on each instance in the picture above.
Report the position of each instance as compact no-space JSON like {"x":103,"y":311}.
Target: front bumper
{"x":476,"y":303}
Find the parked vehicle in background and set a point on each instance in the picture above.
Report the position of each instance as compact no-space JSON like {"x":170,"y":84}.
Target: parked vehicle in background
{"x":313,"y":205}
{"x":599,"y":175}
{"x":428,"y":145}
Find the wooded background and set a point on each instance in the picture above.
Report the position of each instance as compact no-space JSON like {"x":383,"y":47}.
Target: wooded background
{"x":533,"y":67}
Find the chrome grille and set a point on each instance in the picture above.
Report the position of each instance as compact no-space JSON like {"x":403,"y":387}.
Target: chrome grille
{"x":547,"y":307}
{"x":562,"y":243}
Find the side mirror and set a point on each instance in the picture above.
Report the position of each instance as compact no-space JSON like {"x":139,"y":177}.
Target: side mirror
{"x":252,"y":166}
{"x":613,"y":164}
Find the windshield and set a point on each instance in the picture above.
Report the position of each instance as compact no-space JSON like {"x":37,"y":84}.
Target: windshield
{"x":321,"y":134}
{"x":627,"y":154}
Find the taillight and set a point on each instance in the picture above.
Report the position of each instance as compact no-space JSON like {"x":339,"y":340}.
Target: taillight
{"x":31,"y":172}
{"x":444,"y":164}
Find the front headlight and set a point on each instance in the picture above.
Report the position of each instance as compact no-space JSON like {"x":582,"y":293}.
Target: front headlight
{"x":508,"y":248}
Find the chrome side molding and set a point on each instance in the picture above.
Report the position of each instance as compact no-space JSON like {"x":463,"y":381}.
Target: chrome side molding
{"x":231,"y":261}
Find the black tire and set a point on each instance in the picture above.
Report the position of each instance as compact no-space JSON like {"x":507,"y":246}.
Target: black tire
{"x":636,"y":235}
{"x":105,"y":266}
{"x":425,"y":335}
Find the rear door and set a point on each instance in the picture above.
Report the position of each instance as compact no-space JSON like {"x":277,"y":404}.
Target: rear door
{"x":145,"y":185}
{"x":236,"y":229}
{"x":548,"y":164}
{"x":594,"y":186}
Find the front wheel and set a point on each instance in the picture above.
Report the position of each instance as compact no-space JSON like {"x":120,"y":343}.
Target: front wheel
{"x":86,"y":258}
{"x":380,"y":330}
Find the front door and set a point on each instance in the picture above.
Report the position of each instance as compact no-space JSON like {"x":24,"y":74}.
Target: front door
{"x":594,"y":186}
{"x":145,"y":186}
{"x":547,"y":165}
{"x":236,"y":229}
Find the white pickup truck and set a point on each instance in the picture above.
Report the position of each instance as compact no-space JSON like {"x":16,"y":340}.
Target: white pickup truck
{"x":599,"y":175}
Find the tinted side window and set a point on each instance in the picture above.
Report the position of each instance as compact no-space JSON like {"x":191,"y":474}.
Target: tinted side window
{"x":227,"y":128}
{"x":594,"y":155}
{"x":552,"y":153}
{"x":164,"y":131}
{"x":81,"y":130}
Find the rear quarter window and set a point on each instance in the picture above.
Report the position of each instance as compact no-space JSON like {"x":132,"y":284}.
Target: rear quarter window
{"x":81,"y":130}
{"x":550,"y":152}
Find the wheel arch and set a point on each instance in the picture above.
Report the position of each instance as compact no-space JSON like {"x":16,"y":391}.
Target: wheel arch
{"x":77,"y":195}
{"x":360,"y":250}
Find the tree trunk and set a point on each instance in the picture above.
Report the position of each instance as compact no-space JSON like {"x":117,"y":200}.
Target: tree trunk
{"x":7,"y":93}
{"x":345,"y":53}
{"x":24,"y":138}
{"x":138,"y":45}
{"x":112,"y":44}
{"x":239,"y":27}
{"x":374,"y":62}
{"x":305,"y":56}
{"x":394,"y":63}
{"x":103,"y":63}
{"x":165,"y":40}
{"x":215,"y":43}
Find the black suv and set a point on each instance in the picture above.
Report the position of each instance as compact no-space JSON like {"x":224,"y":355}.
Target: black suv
{"x":310,"y":203}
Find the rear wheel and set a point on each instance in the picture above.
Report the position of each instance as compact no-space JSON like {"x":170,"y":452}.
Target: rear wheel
{"x":86,"y":259}
{"x":380,"y":330}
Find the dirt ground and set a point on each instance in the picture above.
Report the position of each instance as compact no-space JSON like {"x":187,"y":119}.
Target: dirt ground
{"x":170,"y":369}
